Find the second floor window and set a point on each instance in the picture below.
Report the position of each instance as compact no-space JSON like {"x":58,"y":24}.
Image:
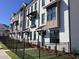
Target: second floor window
{"x":33,"y":23}
{"x":24,"y":24}
{"x":51,"y":13}
{"x":43,"y":18}
{"x":28,"y":10}
{"x":31,"y":8}
{"x":33,"y":19}
{"x":35,"y":6}
{"x":43,"y":2}
{"x":21,"y":23}
{"x":27,"y":23}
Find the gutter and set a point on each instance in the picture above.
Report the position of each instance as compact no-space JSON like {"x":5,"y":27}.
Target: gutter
{"x":69,"y":26}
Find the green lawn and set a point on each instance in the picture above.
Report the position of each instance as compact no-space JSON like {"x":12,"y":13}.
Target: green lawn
{"x":2,"y":46}
{"x":33,"y":54}
{"x":30,"y":53}
{"x":12,"y":55}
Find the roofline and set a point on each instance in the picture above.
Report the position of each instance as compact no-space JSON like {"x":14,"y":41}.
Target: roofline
{"x":31,"y":2}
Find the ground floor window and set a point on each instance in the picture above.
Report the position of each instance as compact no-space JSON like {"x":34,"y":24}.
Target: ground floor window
{"x":54,"y":36}
{"x":30,"y":35}
{"x":34,"y":35}
{"x":21,"y":35}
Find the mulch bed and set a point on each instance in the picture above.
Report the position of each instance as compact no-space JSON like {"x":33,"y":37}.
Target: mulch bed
{"x":59,"y":53}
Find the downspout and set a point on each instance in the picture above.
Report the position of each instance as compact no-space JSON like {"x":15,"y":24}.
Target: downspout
{"x":38,"y":26}
{"x":69,"y":25}
{"x":39,"y":18}
{"x":24,"y":32}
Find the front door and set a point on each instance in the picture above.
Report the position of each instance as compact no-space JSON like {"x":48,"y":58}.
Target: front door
{"x":43,"y":38}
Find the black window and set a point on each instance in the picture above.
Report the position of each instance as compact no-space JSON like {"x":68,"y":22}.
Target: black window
{"x":30,"y":35}
{"x":35,"y":6}
{"x":43,"y":2}
{"x":21,"y":35}
{"x":31,"y":8}
{"x":34,"y":35}
{"x":21,"y":23}
{"x":24,"y":24}
{"x":43,"y":18}
{"x":54,"y":36}
{"x":27,"y":23}
{"x":28,"y":10}
{"x":33,"y":21}
{"x":51,"y":13}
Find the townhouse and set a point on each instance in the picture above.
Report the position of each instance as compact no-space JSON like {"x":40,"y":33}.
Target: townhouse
{"x":50,"y":22}
{"x":17,"y":24}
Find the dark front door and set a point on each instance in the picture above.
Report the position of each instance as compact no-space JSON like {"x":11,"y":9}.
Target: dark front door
{"x":43,"y":38}
{"x":27,"y":33}
{"x":43,"y":41}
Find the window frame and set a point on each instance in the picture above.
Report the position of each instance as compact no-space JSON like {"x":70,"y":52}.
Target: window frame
{"x":28,"y":10}
{"x":36,"y":6}
{"x":21,"y":23}
{"x":43,"y":18}
{"x":31,"y":8}
{"x":27,"y":23}
{"x":33,"y":21}
{"x":51,"y":12}
{"x":30,"y":35}
{"x":43,"y":2}
{"x":34,"y":35}
{"x":55,"y":38}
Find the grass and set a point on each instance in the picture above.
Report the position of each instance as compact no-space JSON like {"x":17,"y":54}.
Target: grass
{"x":2,"y":46}
{"x":30,"y":53}
{"x":33,"y":54}
{"x":12,"y":55}
{"x":43,"y":55}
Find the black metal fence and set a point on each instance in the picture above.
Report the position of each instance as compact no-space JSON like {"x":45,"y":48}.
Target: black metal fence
{"x":26,"y":50}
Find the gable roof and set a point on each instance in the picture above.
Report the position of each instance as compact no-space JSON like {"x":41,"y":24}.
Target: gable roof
{"x":3,"y":27}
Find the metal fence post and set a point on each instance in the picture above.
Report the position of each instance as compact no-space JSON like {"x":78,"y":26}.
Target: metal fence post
{"x":24,"y":48}
{"x":39,"y":48}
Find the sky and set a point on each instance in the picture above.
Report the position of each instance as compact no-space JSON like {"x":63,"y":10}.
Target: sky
{"x":7,"y":7}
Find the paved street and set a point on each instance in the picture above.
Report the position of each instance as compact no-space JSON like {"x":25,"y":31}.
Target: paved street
{"x":3,"y":55}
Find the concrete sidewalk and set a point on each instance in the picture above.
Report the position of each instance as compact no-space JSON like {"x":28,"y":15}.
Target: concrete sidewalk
{"x":3,"y":55}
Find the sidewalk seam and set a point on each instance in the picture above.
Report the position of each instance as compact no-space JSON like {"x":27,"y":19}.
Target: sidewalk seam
{"x":7,"y":55}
